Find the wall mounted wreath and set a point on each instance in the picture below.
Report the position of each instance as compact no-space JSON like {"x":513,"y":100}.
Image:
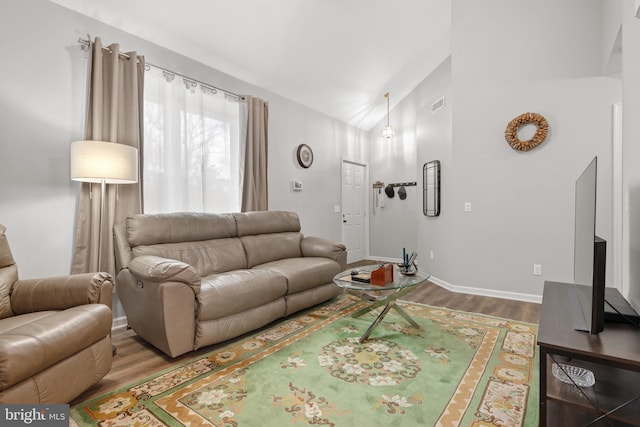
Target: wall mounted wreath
{"x":511,"y":133}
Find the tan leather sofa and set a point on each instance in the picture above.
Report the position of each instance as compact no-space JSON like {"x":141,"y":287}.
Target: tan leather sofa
{"x":55,"y":337}
{"x":188,"y":280}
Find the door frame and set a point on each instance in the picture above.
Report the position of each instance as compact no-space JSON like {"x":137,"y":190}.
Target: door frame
{"x":367,"y":200}
{"x":620,"y":206}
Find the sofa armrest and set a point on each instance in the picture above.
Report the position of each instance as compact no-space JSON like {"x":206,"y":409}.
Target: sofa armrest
{"x":317,"y":246}
{"x":156,"y":269}
{"x":60,"y":293}
{"x":121,"y":247}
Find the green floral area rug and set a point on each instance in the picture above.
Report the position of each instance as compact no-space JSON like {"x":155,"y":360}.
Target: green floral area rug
{"x":457,"y":369}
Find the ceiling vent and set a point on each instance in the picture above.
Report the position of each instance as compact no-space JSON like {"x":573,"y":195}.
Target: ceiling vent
{"x":437,"y":105}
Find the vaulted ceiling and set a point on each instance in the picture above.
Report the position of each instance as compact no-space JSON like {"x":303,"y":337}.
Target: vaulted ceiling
{"x":338,"y":57}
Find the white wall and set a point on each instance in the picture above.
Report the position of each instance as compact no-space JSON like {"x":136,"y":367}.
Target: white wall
{"x":392,"y":225}
{"x":508,"y":58}
{"x":548,"y":60}
{"x":42,"y":104}
{"x":612,"y":12}
{"x":435,"y":142}
{"x":420,"y":137}
{"x":291,"y":125}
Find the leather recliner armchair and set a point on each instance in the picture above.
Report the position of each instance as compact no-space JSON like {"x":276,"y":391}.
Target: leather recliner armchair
{"x":55,"y":333}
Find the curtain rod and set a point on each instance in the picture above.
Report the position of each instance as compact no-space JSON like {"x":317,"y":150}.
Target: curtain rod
{"x":86,"y":44}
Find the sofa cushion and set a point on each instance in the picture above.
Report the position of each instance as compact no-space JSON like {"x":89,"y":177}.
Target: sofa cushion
{"x":265,"y":248}
{"x":30,"y":343}
{"x":149,"y":229}
{"x":262,"y":222}
{"x":303,"y":273}
{"x":208,"y":257}
{"x":237,"y":291}
{"x":62,"y":382}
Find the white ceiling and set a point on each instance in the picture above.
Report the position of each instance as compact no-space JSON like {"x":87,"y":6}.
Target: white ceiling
{"x":338,"y":57}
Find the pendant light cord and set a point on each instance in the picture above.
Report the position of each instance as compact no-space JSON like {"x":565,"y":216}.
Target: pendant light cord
{"x":386,"y":95}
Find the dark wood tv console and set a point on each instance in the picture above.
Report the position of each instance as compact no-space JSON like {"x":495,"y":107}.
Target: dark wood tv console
{"x":613,"y":356}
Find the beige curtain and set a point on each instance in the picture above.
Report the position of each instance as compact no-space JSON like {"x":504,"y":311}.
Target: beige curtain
{"x":254,"y":183}
{"x":114,"y":114}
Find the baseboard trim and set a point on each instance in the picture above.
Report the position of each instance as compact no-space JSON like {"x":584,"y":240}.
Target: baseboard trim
{"x":475,"y":291}
{"x":487,"y":292}
{"x":119,"y":324}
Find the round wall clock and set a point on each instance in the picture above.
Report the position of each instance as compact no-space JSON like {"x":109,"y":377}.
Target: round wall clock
{"x":305,"y":155}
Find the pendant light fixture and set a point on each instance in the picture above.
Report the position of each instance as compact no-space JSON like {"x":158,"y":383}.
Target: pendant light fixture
{"x":387,"y":132}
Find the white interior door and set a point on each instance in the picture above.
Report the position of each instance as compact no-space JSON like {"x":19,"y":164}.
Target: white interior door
{"x":354,"y":229}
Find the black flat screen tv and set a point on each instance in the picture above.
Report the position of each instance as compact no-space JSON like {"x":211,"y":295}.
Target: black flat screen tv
{"x":589,"y":256}
{"x":593,"y":303}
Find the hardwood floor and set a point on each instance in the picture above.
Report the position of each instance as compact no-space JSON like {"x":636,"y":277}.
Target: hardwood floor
{"x":135,"y":359}
{"x":433,"y":294}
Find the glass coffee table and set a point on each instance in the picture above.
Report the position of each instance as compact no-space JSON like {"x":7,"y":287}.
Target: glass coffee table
{"x":380,"y":295}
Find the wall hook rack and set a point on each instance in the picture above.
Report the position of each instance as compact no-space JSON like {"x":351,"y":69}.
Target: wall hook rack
{"x":404,"y":184}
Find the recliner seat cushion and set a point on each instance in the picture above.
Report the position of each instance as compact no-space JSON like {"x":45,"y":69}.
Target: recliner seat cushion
{"x":238,"y":291}
{"x":16,"y":322}
{"x":303,"y":273}
{"x":30,"y":343}
{"x":62,"y":382}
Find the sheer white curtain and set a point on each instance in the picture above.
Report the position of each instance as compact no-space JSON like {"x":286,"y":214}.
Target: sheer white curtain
{"x":192,"y":147}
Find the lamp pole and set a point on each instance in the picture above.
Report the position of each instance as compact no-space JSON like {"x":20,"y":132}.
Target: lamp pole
{"x":103,"y":190}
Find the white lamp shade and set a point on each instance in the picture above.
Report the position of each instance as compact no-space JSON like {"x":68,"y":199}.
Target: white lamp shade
{"x":98,"y":161}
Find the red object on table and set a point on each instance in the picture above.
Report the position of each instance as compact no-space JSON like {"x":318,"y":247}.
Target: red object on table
{"x":382,"y":275}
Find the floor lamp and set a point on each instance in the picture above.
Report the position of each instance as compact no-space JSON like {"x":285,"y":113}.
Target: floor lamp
{"x":104,"y":163}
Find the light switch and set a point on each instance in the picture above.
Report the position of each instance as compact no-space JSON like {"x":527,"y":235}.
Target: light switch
{"x":537,"y":270}
{"x":467,"y":206}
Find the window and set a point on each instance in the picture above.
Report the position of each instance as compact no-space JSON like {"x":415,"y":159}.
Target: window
{"x":191,"y":147}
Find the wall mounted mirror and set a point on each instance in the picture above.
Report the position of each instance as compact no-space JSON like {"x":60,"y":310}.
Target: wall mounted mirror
{"x":431,"y":188}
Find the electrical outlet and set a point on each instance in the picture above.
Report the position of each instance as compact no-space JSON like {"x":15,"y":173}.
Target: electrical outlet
{"x":430,"y":254}
{"x":537,"y":270}
{"x":467,"y":206}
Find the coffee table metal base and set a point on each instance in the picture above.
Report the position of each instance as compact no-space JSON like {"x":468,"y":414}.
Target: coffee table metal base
{"x":389,"y":302}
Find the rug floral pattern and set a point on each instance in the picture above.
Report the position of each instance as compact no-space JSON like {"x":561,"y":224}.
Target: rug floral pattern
{"x":457,"y":369}
{"x":373,"y":362}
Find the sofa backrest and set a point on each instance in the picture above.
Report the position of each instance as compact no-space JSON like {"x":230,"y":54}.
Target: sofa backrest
{"x":151,"y":229}
{"x":266,"y":222}
{"x":206,"y":241}
{"x":8,"y":275}
{"x":207,"y":256}
{"x":212,"y":243}
{"x":269,"y":235}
